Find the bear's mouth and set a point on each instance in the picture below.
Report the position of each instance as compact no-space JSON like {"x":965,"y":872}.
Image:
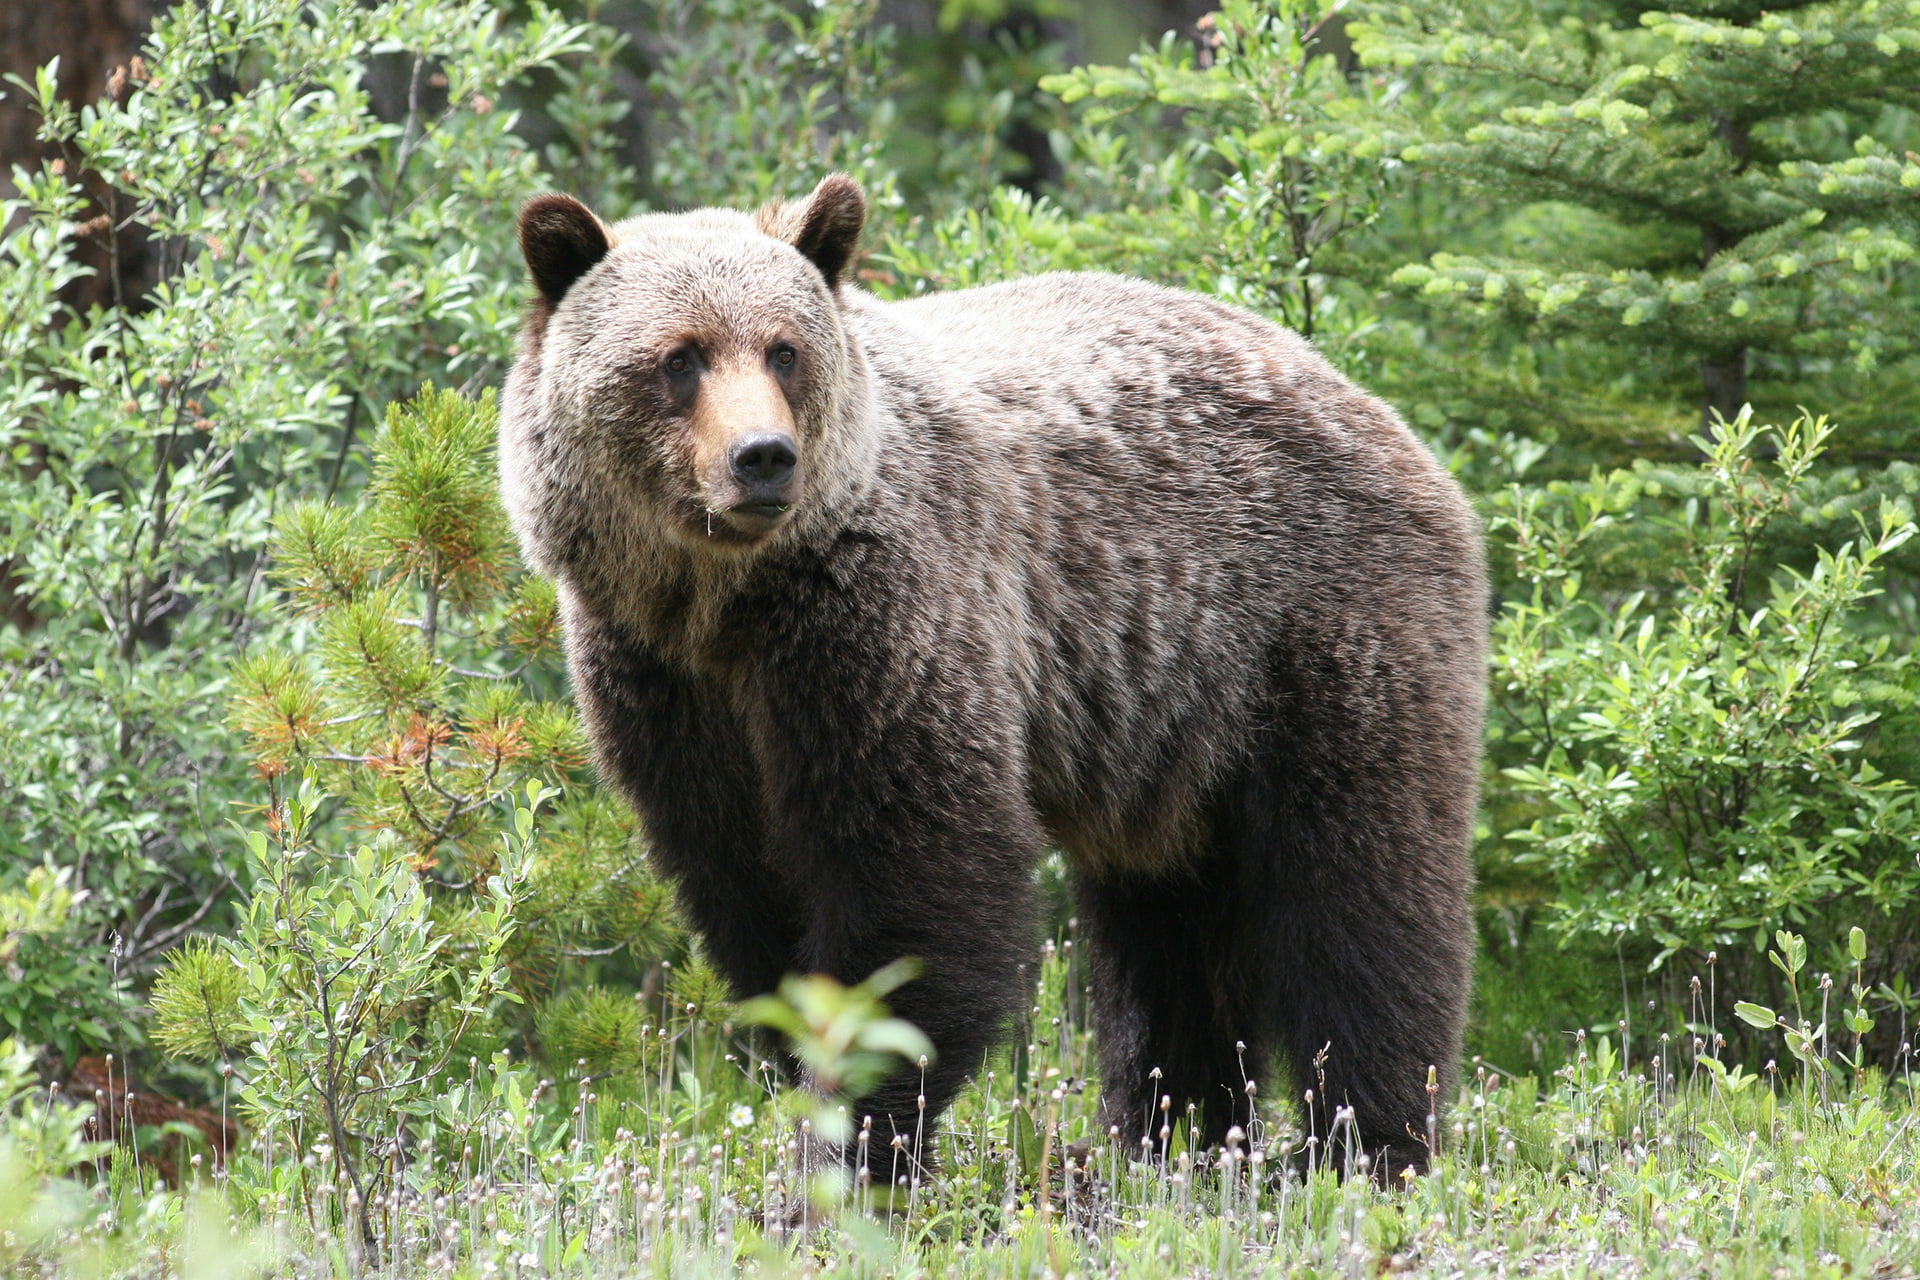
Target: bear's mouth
{"x":757,"y":517}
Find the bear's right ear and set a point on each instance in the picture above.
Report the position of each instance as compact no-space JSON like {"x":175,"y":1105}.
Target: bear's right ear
{"x":562,"y":241}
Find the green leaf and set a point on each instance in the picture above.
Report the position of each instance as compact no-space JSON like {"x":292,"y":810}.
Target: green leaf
{"x":895,"y":1035}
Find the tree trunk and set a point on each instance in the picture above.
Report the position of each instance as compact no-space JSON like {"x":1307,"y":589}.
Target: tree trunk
{"x":90,"y":37}
{"x":1724,"y":375}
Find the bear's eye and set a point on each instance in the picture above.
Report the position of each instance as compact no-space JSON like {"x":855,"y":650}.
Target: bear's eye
{"x":784,"y":356}
{"x":678,"y":362}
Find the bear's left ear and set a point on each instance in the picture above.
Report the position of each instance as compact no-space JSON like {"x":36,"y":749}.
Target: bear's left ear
{"x":824,"y":227}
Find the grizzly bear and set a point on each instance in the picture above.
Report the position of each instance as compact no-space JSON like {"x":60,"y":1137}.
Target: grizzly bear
{"x":869,"y":604}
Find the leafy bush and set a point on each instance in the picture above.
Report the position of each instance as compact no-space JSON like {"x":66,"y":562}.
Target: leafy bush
{"x":766,"y":94}
{"x":37,"y":1201}
{"x":354,"y":997}
{"x":309,"y":257}
{"x":1239,"y":178}
{"x":1700,"y":751}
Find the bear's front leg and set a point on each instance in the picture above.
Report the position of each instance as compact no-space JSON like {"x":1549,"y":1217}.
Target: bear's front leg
{"x":897,"y":788}
{"x":674,"y":745}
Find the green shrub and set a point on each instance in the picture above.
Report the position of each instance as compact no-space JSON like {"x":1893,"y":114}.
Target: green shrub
{"x":1696,"y":760}
{"x":1243,"y":178}
{"x":767,"y":96}
{"x":41,"y":1142}
{"x":349,"y":995}
{"x":309,"y":258}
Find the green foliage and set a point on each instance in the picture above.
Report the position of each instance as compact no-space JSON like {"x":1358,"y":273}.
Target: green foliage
{"x":41,"y":1141}
{"x":584,"y":113}
{"x":1263,"y":178}
{"x":415,"y":700}
{"x":432,"y":501}
{"x":1701,"y":751}
{"x":38,"y":907}
{"x":354,"y":997}
{"x":602,"y":1032}
{"x":305,"y":256}
{"x":429,"y":696}
{"x":40,"y":1137}
{"x":196,"y":1002}
{"x":46,"y":990}
{"x":841,"y":1034}
{"x":1240,"y":178}
{"x":767,"y":97}
{"x":1704,"y":200}
{"x":846,"y":1044}
{"x":971,"y":113}
{"x":1808,"y":1043}
{"x":52,"y":1223}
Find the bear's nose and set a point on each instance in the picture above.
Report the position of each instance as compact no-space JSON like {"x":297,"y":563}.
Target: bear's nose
{"x":763,"y":462}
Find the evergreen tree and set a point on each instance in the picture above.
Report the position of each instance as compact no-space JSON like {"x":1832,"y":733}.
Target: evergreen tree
{"x":1699,"y":208}
{"x":425,"y":697}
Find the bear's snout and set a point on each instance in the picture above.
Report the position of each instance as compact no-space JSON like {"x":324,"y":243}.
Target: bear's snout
{"x":763,"y":465}
{"x":745,"y":454}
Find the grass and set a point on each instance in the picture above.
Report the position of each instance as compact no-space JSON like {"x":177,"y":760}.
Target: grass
{"x":1652,"y":1158}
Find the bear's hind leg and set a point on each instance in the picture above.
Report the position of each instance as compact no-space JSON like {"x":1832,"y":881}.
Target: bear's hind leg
{"x":1170,"y":986}
{"x":1367,"y":937}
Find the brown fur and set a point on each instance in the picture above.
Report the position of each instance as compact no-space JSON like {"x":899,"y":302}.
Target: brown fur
{"x":1074,"y":560}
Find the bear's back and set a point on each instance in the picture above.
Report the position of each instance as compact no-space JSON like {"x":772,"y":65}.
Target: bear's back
{"x":1190,"y":494}
{"x":1130,"y":412}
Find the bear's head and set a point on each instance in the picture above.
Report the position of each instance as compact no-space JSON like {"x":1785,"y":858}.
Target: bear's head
{"x":685,"y":383}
